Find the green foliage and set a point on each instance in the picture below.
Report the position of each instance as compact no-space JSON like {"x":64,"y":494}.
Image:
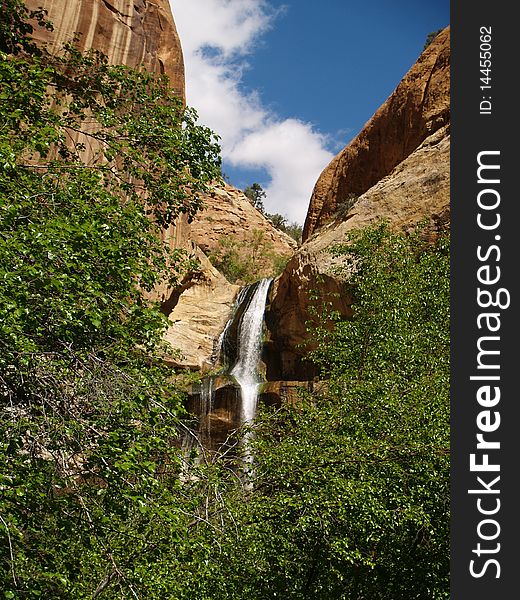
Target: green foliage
{"x":95,"y":161}
{"x":256,"y":195}
{"x":15,"y":27}
{"x":430,"y":37}
{"x":127,"y":126}
{"x":364,"y":469}
{"x":246,"y":262}
{"x":280,"y":222}
{"x":350,"y":494}
{"x":295,"y":230}
{"x":345,"y":205}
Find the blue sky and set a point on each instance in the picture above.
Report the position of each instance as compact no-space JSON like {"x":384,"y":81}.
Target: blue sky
{"x":288,"y":84}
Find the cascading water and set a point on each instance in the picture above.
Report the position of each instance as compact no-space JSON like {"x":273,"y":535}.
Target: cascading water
{"x":238,"y":350}
{"x":249,"y":349}
{"x":207,"y":399}
{"x":221,"y":352}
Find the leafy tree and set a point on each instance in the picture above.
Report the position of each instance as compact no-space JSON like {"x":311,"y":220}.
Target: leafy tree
{"x":15,"y":27}
{"x":278,"y":221}
{"x":95,"y":161}
{"x":344,"y":206}
{"x":256,"y":195}
{"x":430,"y":37}
{"x":358,"y":486}
{"x":349,"y":491}
{"x":292,"y":229}
{"x":350,"y":488}
{"x":295,"y":230}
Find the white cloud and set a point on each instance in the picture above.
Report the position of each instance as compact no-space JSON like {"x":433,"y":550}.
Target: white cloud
{"x":293,"y":154}
{"x":217,"y":36}
{"x":228,"y":25}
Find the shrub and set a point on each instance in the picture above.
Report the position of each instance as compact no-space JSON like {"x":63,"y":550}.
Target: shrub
{"x":89,"y":472}
{"x":247,"y":261}
{"x":430,"y":37}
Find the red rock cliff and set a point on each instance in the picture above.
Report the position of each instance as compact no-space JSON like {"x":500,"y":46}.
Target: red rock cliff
{"x":399,"y":166}
{"x":419,"y":106}
{"x":134,"y":33}
{"x":129,"y":32}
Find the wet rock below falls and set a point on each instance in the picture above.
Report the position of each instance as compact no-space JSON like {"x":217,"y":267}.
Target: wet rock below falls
{"x":216,"y":403}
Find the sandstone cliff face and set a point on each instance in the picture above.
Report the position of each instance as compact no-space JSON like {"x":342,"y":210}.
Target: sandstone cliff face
{"x":198,"y":312}
{"x":134,"y":33}
{"x":418,"y":107}
{"x":399,"y":167}
{"x":229,"y":217}
{"x":199,"y":309}
{"x":418,"y":189}
{"x":129,"y":32}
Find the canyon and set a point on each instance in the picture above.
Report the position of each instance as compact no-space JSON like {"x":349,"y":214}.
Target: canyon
{"x":182,"y":414}
{"x":396,"y":169}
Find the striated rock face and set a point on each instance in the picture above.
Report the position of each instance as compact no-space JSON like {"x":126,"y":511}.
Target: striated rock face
{"x":229,"y":216}
{"x":228,"y":212}
{"x":134,"y":33}
{"x":199,"y":310}
{"x":396,"y":169}
{"x":419,"y":106}
{"x":129,"y":32}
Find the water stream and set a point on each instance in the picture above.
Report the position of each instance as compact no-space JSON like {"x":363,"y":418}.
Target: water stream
{"x":238,"y":349}
{"x":221,"y":352}
{"x":207,"y":398}
{"x":245,"y":370}
{"x":249,"y":348}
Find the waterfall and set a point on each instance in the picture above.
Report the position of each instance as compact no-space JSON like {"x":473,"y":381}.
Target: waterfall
{"x":207,"y":398}
{"x":238,"y":350}
{"x":249,"y":347}
{"x":222,"y":351}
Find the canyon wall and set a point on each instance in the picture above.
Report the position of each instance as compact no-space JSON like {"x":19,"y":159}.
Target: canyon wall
{"x":229,"y":220}
{"x":139,"y":33}
{"x":199,"y":309}
{"x":418,"y":107}
{"x":397,"y":169}
{"x":129,"y":32}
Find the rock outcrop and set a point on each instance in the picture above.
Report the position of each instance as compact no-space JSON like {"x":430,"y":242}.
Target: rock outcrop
{"x":142,"y":33}
{"x":419,"y":106}
{"x":129,"y":32}
{"x":229,"y":218}
{"x":198,"y":311}
{"x":396,"y":169}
